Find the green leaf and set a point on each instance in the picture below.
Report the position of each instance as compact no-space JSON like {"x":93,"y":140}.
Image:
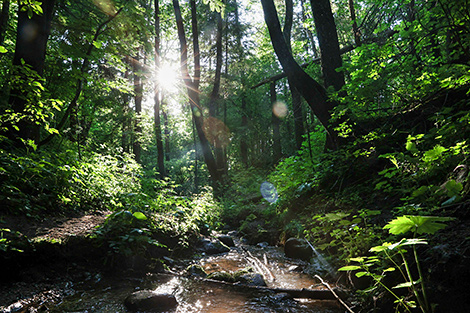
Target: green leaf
{"x":408,"y":284}
{"x":360,"y":274}
{"x":97,"y":44}
{"x":3,"y":49}
{"x":434,"y":154}
{"x":418,"y":224}
{"x":140,"y":216}
{"x":453,"y":188}
{"x":383,"y":247}
{"x":349,"y":268}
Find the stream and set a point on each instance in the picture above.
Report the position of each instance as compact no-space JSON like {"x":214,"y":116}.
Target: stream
{"x":198,"y":296}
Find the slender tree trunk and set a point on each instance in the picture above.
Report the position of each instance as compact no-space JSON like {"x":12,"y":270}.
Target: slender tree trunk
{"x":296,"y":99}
{"x":313,"y":92}
{"x":158,"y":126}
{"x":308,"y":32}
{"x":329,"y":44}
{"x":218,"y":135}
{"x":31,"y":51}
{"x":167,"y":133}
{"x":355,"y":28}
{"x":125,"y":120}
{"x":4,"y":18}
{"x":276,"y":127}
{"x":138,"y":90}
{"x":192,"y":87}
{"x":243,"y":142}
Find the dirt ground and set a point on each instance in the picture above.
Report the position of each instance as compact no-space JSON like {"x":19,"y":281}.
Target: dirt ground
{"x":45,"y":285}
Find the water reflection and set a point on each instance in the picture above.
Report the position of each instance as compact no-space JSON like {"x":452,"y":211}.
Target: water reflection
{"x":197,"y":296}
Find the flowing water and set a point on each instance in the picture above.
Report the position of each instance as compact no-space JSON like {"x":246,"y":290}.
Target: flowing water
{"x":198,"y":296}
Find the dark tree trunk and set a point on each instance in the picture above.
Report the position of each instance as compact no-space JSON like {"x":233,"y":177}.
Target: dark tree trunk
{"x":158,"y":126}
{"x":125,"y":121}
{"x":296,"y":99}
{"x":167,"y":134}
{"x":4,"y":18}
{"x":138,"y":90}
{"x":243,"y":143}
{"x":32,"y":51}
{"x":328,"y":42}
{"x":218,"y":141}
{"x":355,"y":28}
{"x":308,"y":32}
{"x":276,"y":126}
{"x":192,"y":87}
{"x":313,"y":92}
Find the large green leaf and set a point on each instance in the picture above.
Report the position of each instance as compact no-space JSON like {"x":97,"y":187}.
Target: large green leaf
{"x":418,"y":224}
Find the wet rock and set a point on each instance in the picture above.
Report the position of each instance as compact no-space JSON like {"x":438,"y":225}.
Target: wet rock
{"x":214,"y":246}
{"x":226,"y":240}
{"x":263,"y":244}
{"x":252,"y":279}
{"x":222,"y":276}
{"x":147,"y":300}
{"x":196,"y":270}
{"x":281,"y":297}
{"x":298,"y":249}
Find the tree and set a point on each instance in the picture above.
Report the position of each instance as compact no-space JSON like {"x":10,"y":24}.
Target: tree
{"x":192,"y":87}
{"x":157,"y":120}
{"x":312,"y":91}
{"x":32,"y":33}
{"x":328,"y":42}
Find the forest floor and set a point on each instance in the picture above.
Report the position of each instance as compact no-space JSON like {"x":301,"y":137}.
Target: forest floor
{"x":59,"y":228}
{"x":43,"y":284}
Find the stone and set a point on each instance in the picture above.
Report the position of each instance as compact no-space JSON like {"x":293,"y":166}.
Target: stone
{"x":147,"y":300}
{"x":252,"y":279}
{"x":214,"y":246}
{"x":226,"y":240}
{"x":298,"y":249}
{"x":196,"y":270}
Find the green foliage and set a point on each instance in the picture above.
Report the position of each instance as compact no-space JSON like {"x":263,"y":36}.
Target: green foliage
{"x":12,"y":241}
{"x":385,"y":260}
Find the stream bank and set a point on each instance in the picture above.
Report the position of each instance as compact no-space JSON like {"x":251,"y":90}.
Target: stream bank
{"x":81,"y":289}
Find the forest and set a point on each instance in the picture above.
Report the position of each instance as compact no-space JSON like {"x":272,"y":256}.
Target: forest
{"x":135,"y":132}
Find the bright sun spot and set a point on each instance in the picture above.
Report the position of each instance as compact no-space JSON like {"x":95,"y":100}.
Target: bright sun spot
{"x":167,"y":78}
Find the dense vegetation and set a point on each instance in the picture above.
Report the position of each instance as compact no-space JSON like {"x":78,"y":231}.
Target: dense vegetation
{"x":181,"y":118}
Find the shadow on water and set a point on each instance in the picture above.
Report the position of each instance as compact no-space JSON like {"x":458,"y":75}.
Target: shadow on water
{"x":198,"y":296}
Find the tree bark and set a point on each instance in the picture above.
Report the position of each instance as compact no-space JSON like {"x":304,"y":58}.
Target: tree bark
{"x":276,"y":126}
{"x":158,"y":125}
{"x":296,"y":99}
{"x":4,"y":18}
{"x":355,"y":28}
{"x":138,"y":90}
{"x":30,"y":49}
{"x":328,"y":42}
{"x":313,"y":92}
{"x":192,"y":87}
{"x":218,"y":137}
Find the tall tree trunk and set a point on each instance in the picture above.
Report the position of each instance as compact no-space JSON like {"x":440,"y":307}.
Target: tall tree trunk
{"x":355,"y":28}
{"x":192,"y":87}
{"x":276,"y":126}
{"x":138,"y":90}
{"x":4,"y":18}
{"x":328,"y":42}
{"x":308,"y":32}
{"x":125,"y":120}
{"x":243,"y":142}
{"x":30,"y":49}
{"x":312,"y":91}
{"x":296,"y":99}
{"x":167,"y":133}
{"x":218,"y":135}
{"x":158,"y":126}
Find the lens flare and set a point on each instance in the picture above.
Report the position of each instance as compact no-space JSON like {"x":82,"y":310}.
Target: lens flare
{"x":280,"y":109}
{"x":217,"y":133}
{"x":269,"y":192}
